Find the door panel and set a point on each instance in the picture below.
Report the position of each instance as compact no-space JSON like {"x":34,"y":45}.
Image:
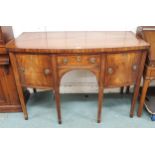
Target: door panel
{"x":35,"y":70}
{"x":4,"y":98}
{"x":122,"y":69}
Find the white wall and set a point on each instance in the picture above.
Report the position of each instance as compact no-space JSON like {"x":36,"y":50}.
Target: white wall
{"x":63,"y":15}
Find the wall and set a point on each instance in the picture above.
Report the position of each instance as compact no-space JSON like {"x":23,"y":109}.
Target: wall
{"x":63,"y":15}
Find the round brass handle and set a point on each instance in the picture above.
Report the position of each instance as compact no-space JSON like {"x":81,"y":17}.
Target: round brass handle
{"x":92,"y":60}
{"x":47,"y":71}
{"x":134,"y":67}
{"x":78,"y":59}
{"x":110,"y":70}
{"x":65,"y":60}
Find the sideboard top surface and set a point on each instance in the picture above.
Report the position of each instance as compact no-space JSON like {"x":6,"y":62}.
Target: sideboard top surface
{"x":76,"y":41}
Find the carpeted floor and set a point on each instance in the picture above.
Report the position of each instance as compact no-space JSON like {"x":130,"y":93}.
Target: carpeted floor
{"x":77,"y":111}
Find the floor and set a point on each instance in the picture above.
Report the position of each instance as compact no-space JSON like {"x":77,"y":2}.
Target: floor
{"x":78,"y":111}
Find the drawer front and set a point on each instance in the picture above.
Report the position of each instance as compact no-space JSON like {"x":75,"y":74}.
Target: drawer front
{"x":4,"y":59}
{"x":78,"y":60}
{"x":35,"y":70}
{"x":152,"y":73}
{"x":2,"y":50}
{"x":1,"y":38}
{"x":122,"y":69}
{"x":149,"y":72}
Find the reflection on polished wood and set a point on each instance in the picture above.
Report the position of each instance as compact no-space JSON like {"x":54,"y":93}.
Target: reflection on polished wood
{"x":40,"y":59}
{"x":64,"y":42}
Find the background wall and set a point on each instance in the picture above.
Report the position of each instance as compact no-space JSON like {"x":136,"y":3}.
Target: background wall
{"x":77,"y":15}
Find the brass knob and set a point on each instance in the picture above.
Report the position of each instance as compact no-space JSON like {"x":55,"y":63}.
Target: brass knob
{"x":47,"y":71}
{"x":134,"y":67}
{"x":65,"y":60}
{"x":78,"y":59}
{"x":92,"y":60}
{"x":110,"y":70}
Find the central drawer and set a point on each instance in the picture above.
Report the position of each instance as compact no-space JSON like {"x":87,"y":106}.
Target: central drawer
{"x":78,"y":60}
{"x":35,"y":70}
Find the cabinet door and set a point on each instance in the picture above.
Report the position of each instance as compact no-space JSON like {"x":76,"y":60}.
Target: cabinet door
{"x":4,"y":98}
{"x":35,"y":70}
{"x":122,"y":69}
{"x":9,"y":100}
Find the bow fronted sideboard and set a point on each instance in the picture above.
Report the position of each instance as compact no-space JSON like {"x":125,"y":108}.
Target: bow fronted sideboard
{"x":40,"y":59}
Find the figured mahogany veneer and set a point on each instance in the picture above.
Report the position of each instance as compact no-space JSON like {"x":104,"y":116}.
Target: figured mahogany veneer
{"x":35,"y":70}
{"x":122,"y":69}
{"x":40,"y":59}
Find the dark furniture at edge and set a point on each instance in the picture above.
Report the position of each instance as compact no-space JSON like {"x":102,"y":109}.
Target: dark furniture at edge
{"x":9,"y":100}
{"x":148,"y":34}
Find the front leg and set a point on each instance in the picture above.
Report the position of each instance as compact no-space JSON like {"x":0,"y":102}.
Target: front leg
{"x":100,"y":100}
{"x":18,"y":84}
{"x":137,"y":85}
{"x":134,"y":99}
{"x":58,"y":106}
{"x":143,"y":95}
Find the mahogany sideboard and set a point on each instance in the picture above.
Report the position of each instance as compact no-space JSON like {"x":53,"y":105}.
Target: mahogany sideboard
{"x":9,"y":100}
{"x":40,"y":59}
{"x":148,"y":34}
